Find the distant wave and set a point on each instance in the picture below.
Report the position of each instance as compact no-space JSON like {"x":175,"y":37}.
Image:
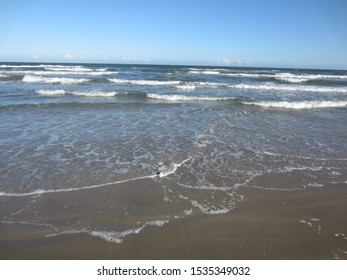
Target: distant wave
{"x":144,"y":82}
{"x":299,"y":78}
{"x":207,"y":72}
{"x":285,"y":77}
{"x":51,"y":73}
{"x":23,"y":66}
{"x":50,"y":92}
{"x":289,"y":88}
{"x":52,"y":80}
{"x":264,"y":87}
{"x":181,"y":85}
{"x":299,"y":104}
{"x":69,"y":68}
{"x":93,"y":93}
{"x":187,"y":98}
{"x":165,"y":97}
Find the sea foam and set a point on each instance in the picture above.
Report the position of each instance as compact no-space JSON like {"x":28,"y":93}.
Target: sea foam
{"x":144,"y":82}
{"x":50,"y":92}
{"x":178,"y":97}
{"x":299,"y":105}
{"x":52,"y":80}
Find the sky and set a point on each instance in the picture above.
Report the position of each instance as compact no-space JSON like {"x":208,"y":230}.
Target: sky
{"x":269,"y":33}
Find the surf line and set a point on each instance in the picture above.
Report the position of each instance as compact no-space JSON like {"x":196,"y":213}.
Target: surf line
{"x":39,"y":192}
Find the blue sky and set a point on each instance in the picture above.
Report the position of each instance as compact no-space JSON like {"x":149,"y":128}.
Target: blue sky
{"x":275,"y":33}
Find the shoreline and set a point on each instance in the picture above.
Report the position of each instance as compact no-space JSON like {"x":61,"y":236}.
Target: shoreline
{"x":152,"y":222}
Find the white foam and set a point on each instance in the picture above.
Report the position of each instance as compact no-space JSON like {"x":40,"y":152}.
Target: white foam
{"x":164,"y":170}
{"x":209,"y":210}
{"x":50,"y":92}
{"x":95,"y":93}
{"x":94,"y":73}
{"x":114,"y":236}
{"x":262,"y":87}
{"x":67,"y":68}
{"x":186,"y":87}
{"x":206,"y":72}
{"x":299,"y":78}
{"x":40,"y":191}
{"x":22,"y":66}
{"x":177,"y":97}
{"x":315,"y":185}
{"x":52,"y":80}
{"x":299,"y":104}
{"x":144,"y":82}
{"x":288,"y":77}
{"x":158,"y":223}
{"x":276,"y":87}
{"x":111,"y":236}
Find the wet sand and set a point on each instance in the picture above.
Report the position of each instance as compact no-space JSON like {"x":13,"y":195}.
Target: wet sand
{"x":265,"y":224}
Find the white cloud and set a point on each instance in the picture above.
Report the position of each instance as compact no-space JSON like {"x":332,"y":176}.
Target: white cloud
{"x":36,"y":56}
{"x":68,"y":56}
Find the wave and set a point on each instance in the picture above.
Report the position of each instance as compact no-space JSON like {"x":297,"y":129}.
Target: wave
{"x":50,"y":73}
{"x":50,"y":92}
{"x":22,"y":66}
{"x":111,"y":236}
{"x":276,"y":87}
{"x":46,"y":69}
{"x":137,"y":95}
{"x":263,"y":87}
{"x":68,"y":68}
{"x":299,"y":105}
{"x":178,"y":97}
{"x":284,"y":77}
{"x":186,"y":87}
{"x":207,"y":72}
{"x":52,"y":80}
{"x":299,"y":78}
{"x":144,"y":82}
{"x":164,"y":172}
{"x":93,"y":93}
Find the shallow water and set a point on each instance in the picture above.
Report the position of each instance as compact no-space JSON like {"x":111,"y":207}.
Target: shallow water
{"x":69,"y":127}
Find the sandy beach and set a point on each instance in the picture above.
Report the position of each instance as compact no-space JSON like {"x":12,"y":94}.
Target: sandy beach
{"x":309,"y":224}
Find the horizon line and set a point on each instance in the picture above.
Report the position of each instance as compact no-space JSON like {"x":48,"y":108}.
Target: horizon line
{"x":174,"y":64}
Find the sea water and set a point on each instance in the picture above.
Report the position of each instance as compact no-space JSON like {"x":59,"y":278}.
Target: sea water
{"x":66,"y":127}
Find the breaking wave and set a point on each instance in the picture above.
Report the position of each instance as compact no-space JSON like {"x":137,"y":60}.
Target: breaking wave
{"x":52,"y":80}
{"x":177,"y":97}
{"x":144,"y":82}
{"x":299,"y":105}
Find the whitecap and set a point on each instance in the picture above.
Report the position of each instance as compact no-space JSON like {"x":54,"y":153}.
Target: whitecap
{"x":144,"y":82}
{"x":52,"y":80}
{"x":50,"y":92}
{"x":177,"y":97}
{"x":95,"y":93}
{"x":299,"y":105}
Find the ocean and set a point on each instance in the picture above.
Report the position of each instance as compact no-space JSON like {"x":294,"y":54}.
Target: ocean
{"x":211,"y":131}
